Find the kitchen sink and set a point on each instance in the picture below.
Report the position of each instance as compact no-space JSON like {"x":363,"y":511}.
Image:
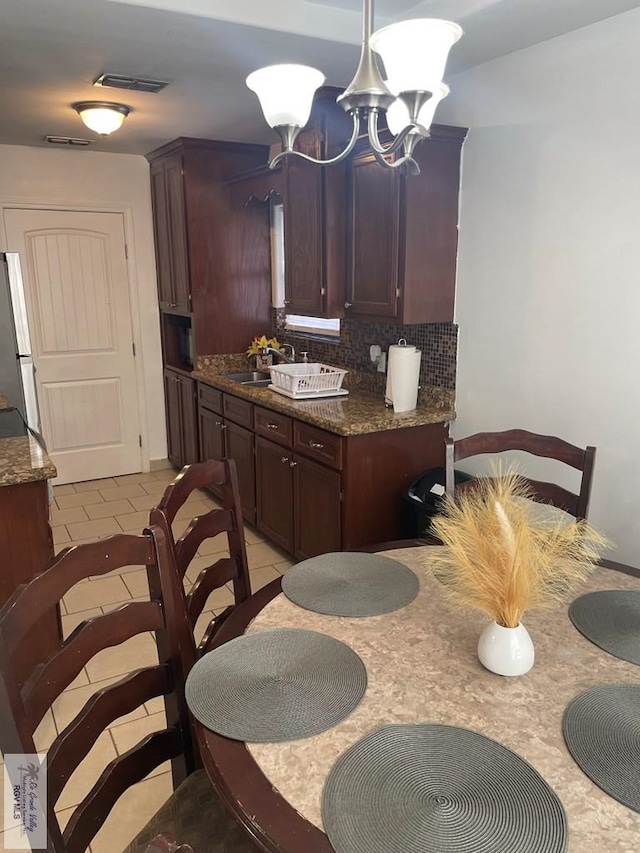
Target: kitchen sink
{"x":253,"y":377}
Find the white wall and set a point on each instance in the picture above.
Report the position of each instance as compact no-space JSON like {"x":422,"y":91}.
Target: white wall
{"x":548,"y":285}
{"x":120,"y":182}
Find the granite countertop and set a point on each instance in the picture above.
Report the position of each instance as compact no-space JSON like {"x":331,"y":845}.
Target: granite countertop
{"x":357,"y":413}
{"x":22,"y":460}
{"x":22,"y":457}
{"x":422,"y":666}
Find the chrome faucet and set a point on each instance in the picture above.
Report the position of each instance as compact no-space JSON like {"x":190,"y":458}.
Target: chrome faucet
{"x":289,"y":359}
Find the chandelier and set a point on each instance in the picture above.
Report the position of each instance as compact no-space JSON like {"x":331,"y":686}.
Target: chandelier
{"x":414,"y":54}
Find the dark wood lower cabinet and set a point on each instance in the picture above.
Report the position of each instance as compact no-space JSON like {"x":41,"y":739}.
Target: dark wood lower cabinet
{"x":317,"y":512}
{"x":239,"y":445}
{"x":309,"y":490}
{"x":298,"y":501}
{"x":182,"y":435}
{"x":274,"y":492}
{"x":220,"y":438}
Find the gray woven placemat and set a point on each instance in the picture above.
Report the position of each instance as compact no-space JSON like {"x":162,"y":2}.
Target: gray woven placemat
{"x":350,"y":584}
{"x":439,"y":789}
{"x":276,"y":685}
{"x":602,"y":731}
{"x":610,"y":619}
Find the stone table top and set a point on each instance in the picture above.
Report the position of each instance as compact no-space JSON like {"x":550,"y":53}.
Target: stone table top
{"x":358,"y":413}
{"x":422,"y":666}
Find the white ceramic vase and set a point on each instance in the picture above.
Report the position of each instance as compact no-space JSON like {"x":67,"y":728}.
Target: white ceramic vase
{"x":506,"y":651}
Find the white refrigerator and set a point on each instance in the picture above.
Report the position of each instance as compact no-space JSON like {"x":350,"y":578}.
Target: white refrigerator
{"x":17,"y":371}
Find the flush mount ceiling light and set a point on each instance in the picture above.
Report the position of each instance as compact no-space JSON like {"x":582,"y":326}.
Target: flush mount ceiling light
{"x":414,"y":55}
{"x":102,"y":116}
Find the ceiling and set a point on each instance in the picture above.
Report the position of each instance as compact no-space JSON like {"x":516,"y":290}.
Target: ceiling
{"x":52,"y":50}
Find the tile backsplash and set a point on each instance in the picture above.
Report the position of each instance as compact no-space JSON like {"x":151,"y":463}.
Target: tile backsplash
{"x":437,"y":341}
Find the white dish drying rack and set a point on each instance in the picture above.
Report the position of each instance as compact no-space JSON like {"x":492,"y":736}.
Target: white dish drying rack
{"x":304,"y":381}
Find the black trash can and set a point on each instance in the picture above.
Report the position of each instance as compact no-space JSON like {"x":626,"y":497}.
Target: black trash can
{"x":423,"y":498}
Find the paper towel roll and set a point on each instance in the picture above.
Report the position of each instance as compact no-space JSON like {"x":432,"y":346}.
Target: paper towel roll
{"x":403,"y":373}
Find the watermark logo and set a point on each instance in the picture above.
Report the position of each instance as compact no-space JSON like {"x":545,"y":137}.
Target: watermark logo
{"x":25,"y":801}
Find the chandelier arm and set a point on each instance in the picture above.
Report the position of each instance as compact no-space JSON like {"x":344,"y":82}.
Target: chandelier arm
{"x":407,"y":160}
{"x":350,"y":146}
{"x":374,"y":139}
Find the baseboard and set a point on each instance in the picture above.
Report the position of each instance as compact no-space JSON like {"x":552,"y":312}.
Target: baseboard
{"x":159,"y":464}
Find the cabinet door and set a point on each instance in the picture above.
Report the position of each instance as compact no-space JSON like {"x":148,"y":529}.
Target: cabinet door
{"x":240,"y":447}
{"x":316,"y":494}
{"x":188,"y":420}
{"x":174,"y":417}
{"x":374,"y":234}
{"x":161,"y":233}
{"x":274,"y":493}
{"x":178,"y":233}
{"x":211,"y":435}
{"x":211,"y":429}
{"x":303,"y":238}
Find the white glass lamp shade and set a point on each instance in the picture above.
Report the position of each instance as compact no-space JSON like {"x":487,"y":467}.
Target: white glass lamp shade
{"x":415,"y":53}
{"x":102,"y":118}
{"x":285,"y":92}
{"x":398,"y":114}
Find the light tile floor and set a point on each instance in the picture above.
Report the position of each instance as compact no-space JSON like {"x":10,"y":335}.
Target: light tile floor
{"x":92,"y":510}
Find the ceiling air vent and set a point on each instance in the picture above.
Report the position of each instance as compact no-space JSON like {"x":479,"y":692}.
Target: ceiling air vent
{"x":67,"y":140}
{"x":134,"y":84}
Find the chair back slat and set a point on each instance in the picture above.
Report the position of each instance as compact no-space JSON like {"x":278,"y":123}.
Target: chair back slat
{"x":203,"y":527}
{"x":209,"y":579}
{"x":123,"y":772}
{"x":89,"y":638}
{"x":199,"y":476}
{"x":105,"y":706}
{"x":30,"y":602}
{"x":227,"y":520}
{"x":546,"y":446}
{"x":22,"y":707}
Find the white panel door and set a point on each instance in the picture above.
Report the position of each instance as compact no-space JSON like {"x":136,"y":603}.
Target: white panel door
{"x":75,"y":277}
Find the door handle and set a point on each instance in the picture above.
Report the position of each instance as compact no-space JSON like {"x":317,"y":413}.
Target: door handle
{"x":284,"y":458}
{"x":292,"y":464}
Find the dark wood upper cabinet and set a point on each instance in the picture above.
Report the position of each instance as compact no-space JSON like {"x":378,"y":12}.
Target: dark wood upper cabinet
{"x":176,"y":216}
{"x":198,"y":254}
{"x":374,"y":232}
{"x":314,"y":214}
{"x":403,"y":234}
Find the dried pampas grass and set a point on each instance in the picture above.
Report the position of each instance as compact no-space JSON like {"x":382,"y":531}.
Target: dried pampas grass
{"x":502,"y":558}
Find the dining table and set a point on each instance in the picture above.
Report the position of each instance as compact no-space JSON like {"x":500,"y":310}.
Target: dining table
{"x":422,"y":667}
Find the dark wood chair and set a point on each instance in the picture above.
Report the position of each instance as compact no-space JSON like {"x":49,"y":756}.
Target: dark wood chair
{"x":227,"y":520}
{"x":546,"y":446}
{"x":193,"y":814}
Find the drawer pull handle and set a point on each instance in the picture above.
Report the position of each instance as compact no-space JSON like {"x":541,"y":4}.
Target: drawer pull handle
{"x":316,"y":445}
{"x":272,"y":426}
{"x":348,"y":304}
{"x":221,"y":425}
{"x":284,"y":458}
{"x":292,"y":464}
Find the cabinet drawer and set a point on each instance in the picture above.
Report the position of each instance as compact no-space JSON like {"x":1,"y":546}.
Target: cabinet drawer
{"x":237,"y":410}
{"x":273,"y":426}
{"x":210,"y":398}
{"x":318,"y":444}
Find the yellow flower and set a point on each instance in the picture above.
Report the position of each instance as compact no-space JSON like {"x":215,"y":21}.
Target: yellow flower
{"x":260,"y":344}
